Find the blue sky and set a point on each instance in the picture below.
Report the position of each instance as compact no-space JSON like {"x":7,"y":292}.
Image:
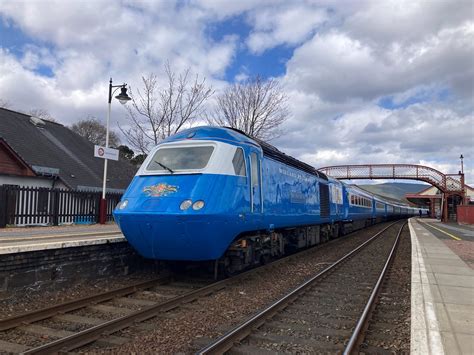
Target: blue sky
{"x":270,"y":63}
{"x":345,"y":67}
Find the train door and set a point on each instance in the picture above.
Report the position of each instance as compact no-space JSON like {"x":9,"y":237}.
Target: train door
{"x":255,"y":184}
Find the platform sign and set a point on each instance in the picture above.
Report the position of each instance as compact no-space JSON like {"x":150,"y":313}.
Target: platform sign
{"x":106,"y":153}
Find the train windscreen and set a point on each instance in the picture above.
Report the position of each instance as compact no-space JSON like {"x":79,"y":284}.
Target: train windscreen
{"x":180,"y":158}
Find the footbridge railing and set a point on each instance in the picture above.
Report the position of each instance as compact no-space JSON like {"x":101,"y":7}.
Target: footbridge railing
{"x":447,"y":183}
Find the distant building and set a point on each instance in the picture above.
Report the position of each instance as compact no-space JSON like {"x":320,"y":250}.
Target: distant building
{"x":431,"y":197}
{"x":41,"y":153}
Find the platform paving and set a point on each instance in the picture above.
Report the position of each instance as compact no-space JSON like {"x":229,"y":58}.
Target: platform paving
{"x":21,"y":239}
{"x":23,"y":232}
{"x":442,"y":296}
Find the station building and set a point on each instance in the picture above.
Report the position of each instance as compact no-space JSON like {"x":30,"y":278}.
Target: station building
{"x":432,"y":198}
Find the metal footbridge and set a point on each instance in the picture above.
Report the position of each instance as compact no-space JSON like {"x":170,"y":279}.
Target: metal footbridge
{"x":448,"y":184}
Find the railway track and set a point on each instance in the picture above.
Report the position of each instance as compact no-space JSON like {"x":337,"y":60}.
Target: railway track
{"x":73,"y":324}
{"x":70,"y":325}
{"x":327,"y":313}
{"x":95,"y":319}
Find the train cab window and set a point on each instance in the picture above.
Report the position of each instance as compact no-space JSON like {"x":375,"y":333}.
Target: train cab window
{"x":239,"y":163}
{"x":180,"y":158}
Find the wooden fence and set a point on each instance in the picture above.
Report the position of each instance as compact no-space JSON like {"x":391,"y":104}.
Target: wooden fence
{"x":36,"y":205}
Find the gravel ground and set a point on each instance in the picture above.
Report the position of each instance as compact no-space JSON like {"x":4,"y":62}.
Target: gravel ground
{"x":464,"y":249}
{"x":181,"y":329}
{"x":13,"y":304}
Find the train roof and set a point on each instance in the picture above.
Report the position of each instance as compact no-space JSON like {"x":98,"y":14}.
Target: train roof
{"x":272,"y":152}
{"x":238,"y":137}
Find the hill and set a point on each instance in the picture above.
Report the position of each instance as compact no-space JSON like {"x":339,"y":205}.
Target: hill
{"x":394,"y":190}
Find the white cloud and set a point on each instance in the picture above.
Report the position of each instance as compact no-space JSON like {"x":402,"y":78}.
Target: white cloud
{"x":287,"y":24}
{"x":338,"y":67}
{"x":405,"y":21}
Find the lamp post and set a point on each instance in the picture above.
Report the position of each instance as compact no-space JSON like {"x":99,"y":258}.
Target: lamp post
{"x":123,"y":98}
{"x":463,"y":190}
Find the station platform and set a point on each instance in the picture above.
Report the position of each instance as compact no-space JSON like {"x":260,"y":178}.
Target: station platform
{"x":442,"y":312}
{"x":17,"y":240}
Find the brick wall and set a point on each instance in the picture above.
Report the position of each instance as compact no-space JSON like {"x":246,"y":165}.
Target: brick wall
{"x":56,"y":268}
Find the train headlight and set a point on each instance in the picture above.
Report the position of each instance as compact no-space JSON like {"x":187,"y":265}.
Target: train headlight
{"x":122,"y":204}
{"x":185,"y":205}
{"x":198,"y":205}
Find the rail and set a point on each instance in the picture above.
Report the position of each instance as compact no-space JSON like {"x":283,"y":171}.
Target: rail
{"x":355,"y":339}
{"x":48,"y":312}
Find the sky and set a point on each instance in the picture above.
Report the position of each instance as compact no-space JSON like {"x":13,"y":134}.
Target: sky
{"x":368,"y":82}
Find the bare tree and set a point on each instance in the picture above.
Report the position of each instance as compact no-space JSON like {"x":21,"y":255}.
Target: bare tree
{"x":255,"y":106}
{"x":158,"y":112}
{"x":41,"y":113}
{"x":5,"y":103}
{"x":94,"y":131}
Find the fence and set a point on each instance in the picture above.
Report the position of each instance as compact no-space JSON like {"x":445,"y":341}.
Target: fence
{"x":35,"y":205}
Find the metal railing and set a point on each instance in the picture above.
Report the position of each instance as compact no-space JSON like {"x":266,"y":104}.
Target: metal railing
{"x":20,"y":205}
{"x":444,"y":182}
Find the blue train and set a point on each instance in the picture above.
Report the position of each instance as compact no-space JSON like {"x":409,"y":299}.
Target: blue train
{"x":211,"y":193}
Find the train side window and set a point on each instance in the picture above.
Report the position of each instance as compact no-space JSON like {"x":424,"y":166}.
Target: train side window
{"x":254,"y":169}
{"x":239,"y":163}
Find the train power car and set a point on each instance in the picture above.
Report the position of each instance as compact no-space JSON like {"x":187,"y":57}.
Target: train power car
{"x":212,"y":193}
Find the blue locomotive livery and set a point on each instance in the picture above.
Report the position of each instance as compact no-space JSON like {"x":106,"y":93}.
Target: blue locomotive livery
{"x":211,"y":193}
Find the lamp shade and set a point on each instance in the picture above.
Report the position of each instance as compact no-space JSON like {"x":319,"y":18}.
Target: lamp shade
{"x":123,"y":97}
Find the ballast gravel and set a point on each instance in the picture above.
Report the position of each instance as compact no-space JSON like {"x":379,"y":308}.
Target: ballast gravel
{"x":13,"y":304}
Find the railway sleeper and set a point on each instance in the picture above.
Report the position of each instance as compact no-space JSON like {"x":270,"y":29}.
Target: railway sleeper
{"x":8,"y":347}
{"x":75,"y":319}
{"x":243,"y":349}
{"x":371,"y":349}
{"x":102,"y":308}
{"x":326,"y":303}
{"x":324,"y":311}
{"x":309,"y":330}
{"x":380,"y":326}
{"x":279,"y":342}
{"x":323,"y":321}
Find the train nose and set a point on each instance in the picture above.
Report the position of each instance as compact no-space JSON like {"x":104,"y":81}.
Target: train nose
{"x":177,"y":237}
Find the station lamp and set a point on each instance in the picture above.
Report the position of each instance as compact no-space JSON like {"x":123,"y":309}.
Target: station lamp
{"x":123,"y":98}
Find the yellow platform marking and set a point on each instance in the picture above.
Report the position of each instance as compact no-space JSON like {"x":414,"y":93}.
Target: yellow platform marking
{"x":442,"y":231}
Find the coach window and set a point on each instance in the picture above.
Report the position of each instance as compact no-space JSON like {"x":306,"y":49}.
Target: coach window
{"x":239,"y":163}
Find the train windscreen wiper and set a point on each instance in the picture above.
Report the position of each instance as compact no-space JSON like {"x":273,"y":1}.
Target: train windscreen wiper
{"x":164,"y":166}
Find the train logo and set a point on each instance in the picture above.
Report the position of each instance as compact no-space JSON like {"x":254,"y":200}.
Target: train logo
{"x":159,"y":190}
